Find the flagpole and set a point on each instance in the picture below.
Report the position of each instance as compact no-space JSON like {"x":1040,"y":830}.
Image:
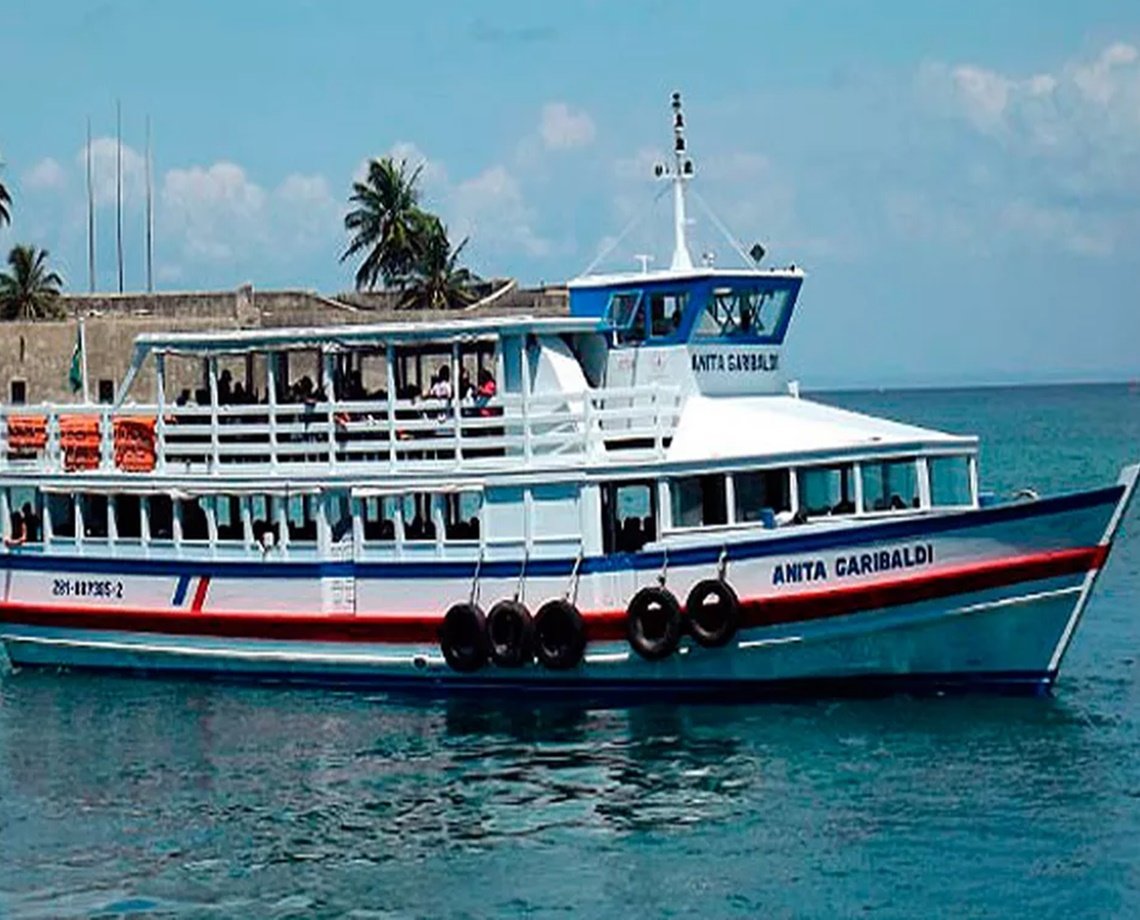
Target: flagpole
{"x":119,"y":187}
{"x":83,"y":359}
{"x":90,"y":216}
{"x":149,"y":218}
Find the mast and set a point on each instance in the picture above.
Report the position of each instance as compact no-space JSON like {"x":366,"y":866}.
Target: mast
{"x":679,"y":173}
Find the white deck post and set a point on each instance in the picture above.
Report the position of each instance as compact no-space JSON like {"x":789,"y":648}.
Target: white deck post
{"x":456,"y":401}
{"x":390,"y":373}
{"x":160,"y":410}
{"x":331,"y":396}
{"x":212,"y":374}
{"x":525,"y":369}
{"x":271,"y":404}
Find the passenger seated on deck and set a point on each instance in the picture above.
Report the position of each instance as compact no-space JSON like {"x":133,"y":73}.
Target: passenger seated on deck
{"x":19,"y":533}
{"x":629,"y":538}
{"x":648,"y":529}
{"x":846,"y":506}
{"x":897,"y":504}
{"x":31,"y":523}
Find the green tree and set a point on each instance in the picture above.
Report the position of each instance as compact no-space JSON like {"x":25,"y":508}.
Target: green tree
{"x":29,"y":290}
{"x":438,"y":281}
{"x":5,"y":205}
{"x":386,"y":223}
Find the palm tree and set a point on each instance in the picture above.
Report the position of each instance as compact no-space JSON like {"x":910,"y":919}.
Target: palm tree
{"x":5,"y":205}
{"x":438,"y":281}
{"x":30,"y":291}
{"x":386,"y":223}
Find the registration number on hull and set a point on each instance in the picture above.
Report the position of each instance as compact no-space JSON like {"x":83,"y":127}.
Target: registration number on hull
{"x":87,"y":587}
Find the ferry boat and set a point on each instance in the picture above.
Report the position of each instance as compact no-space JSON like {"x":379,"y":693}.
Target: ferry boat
{"x":630,"y":499}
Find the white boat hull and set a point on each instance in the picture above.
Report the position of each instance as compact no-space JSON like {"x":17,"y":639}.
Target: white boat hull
{"x":983,"y":598}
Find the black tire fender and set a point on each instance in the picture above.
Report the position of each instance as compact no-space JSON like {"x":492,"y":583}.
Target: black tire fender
{"x":559,"y":635}
{"x":463,"y":638}
{"x":712,"y":613}
{"x":510,"y":634}
{"x":653,"y":623}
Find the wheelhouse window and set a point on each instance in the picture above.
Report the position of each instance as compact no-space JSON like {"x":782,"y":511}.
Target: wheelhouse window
{"x":629,"y":516}
{"x":666,"y":311}
{"x":748,"y":312}
{"x":825,"y":490}
{"x":698,"y":501}
{"x":950,"y":481}
{"x":624,"y":316}
{"x":760,"y":492}
{"x":890,"y":485}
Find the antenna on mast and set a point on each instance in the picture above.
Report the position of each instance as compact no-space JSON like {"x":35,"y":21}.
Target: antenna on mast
{"x":679,"y":173}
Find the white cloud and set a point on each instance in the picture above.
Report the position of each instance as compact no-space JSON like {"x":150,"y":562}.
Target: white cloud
{"x":491,"y":209}
{"x":1062,"y":164}
{"x":562,"y":128}
{"x":46,"y":175}
{"x":217,"y":214}
{"x":1085,"y":103}
{"x":104,"y":169}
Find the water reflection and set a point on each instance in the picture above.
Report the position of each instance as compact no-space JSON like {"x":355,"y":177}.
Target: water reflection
{"x":191,"y":780}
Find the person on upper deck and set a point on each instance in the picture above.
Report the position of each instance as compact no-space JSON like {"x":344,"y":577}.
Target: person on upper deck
{"x":486,"y":392}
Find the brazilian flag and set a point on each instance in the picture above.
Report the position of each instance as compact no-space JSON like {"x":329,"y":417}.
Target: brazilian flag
{"x":75,"y":375}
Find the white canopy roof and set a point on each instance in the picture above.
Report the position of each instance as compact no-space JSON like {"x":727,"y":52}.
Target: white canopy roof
{"x":724,"y":428}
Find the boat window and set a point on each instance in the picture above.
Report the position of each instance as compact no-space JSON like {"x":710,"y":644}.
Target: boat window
{"x":301,"y":518}
{"x":629,"y":518}
{"x":61,"y":512}
{"x":227,"y":516}
{"x":950,"y":481}
{"x":94,"y":513}
{"x":891,"y":485}
{"x":665,"y":313}
{"x":160,"y":516}
{"x":418,"y":523}
{"x":827,"y":490}
{"x":698,"y":501}
{"x":192,"y":512}
{"x":759,"y":492}
{"x":380,"y":519}
{"x":744,"y":312}
{"x":340,"y":518}
{"x":461,"y":515}
{"x":26,"y":514}
{"x":128,"y":517}
{"x":625,"y":317}
{"x":263,"y":520}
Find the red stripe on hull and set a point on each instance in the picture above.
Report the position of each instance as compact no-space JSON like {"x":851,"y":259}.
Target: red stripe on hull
{"x":802,"y":606}
{"x":200,"y":594}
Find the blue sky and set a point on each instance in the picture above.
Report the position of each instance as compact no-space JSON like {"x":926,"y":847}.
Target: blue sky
{"x":961,"y":181}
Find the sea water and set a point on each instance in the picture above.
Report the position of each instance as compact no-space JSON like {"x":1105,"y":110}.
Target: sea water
{"x":125,"y":797}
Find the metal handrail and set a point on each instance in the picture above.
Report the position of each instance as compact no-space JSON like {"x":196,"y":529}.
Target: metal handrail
{"x":395,"y":433}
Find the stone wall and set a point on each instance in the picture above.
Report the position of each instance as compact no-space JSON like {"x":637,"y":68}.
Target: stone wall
{"x":38,"y":354}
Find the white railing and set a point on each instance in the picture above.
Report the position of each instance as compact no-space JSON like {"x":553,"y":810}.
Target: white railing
{"x":396,"y":434}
